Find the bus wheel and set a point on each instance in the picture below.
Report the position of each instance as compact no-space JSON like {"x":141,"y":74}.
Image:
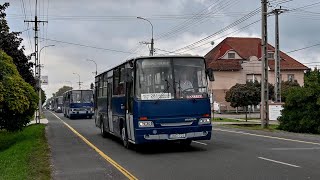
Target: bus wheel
{"x":102,"y":130}
{"x":124,"y":138}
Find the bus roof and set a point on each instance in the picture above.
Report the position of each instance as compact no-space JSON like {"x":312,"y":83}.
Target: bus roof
{"x":152,"y":57}
{"x":78,"y":90}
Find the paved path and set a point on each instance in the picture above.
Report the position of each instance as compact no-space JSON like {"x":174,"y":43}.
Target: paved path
{"x":231,"y":154}
{"x":42,"y":121}
{"x":72,"y":158}
{"x":237,"y":116}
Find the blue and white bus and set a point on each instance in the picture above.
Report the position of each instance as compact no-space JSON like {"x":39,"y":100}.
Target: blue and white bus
{"x":152,"y":99}
{"x":78,"y":103}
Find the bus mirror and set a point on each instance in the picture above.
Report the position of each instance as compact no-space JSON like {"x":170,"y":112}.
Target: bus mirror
{"x":128,"y":75}
{"x":209,"y":73}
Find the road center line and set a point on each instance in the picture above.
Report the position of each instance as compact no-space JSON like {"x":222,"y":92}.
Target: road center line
{"x":279,"y":162}
{"x":107,"y":158}
{"x":200,"y":143}
{"x":271,"y":137}
{"x":286,"y":149}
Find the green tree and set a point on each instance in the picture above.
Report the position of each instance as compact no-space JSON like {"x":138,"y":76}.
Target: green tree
{"x":61,"y":91}
{"x":10,"y":43}
{"x":18,"y":100}
{"x":302,"y":108}
{"x":243,"y":95}
{"x":286,"y":87}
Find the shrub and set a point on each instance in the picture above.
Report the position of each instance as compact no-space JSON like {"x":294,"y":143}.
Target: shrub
{"x":302,"y":108}
{"x":18,"y":100}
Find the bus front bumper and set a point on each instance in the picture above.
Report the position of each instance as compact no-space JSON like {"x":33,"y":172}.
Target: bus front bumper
{"x":173,"y":134}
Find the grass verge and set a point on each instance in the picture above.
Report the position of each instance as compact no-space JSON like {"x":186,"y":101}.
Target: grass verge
{"x":224,"y":120}
{"x":25,"y":154}
{"x":271,"y":127}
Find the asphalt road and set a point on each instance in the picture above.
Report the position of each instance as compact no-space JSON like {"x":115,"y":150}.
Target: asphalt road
{"x":231,"y":154}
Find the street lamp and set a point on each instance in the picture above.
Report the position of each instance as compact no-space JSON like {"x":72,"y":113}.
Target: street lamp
{"x":152,"y":43}
{"x":39,"y":81}
{"x":95,"y":64}
{"x":79,"y":80}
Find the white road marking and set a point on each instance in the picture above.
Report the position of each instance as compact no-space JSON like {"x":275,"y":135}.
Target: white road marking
{"x":286,"y":149}
{"x":279,"y":162}
{"x":271,"y":137}
{"x":200,"y":143}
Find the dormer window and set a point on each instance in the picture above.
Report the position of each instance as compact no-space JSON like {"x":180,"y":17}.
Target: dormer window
{"x":270,"y":55}
{"x":231,"y":55}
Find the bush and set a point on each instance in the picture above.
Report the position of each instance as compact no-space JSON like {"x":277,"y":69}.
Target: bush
{"x":18,"y":100}
{"x":302,"y":108}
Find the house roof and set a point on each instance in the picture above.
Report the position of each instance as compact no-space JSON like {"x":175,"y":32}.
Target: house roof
{"x":246,"y":47}
{"x":226,"y":65}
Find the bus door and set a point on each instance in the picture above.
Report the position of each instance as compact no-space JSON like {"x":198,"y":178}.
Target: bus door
{"x":129,"y":110}
{"x":109,"y":106}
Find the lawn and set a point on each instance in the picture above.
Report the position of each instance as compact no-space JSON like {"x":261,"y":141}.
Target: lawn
{"x":224,"y":120}
{"x":25,"y":154}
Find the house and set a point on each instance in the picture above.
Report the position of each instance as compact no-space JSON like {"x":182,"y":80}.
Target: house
{"x":238,"y":59}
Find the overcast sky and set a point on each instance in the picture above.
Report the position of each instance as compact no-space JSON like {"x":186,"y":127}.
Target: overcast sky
{"x":112,"y":25}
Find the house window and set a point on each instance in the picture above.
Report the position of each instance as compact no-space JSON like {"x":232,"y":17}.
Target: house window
{"x":270,"y":55}
{"x":290,"y":77}
{"x":231,"y":55}
{"x":253,"y":77}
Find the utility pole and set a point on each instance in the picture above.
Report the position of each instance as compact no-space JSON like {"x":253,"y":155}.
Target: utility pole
{"x":264,"y":60}
{"x":37,"y":64}
{"x":277,"y":83}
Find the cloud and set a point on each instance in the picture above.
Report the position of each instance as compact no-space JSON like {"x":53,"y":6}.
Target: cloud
{"x":113,"y":24}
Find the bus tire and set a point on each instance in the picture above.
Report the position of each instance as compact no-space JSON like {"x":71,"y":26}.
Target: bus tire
{"x":102,"y":130}
{"x":124,"y":138}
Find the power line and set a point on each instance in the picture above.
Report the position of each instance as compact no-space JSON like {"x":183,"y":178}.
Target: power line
{"x":295,"y":50}
{"x":239,"y":21}
{"x":228,"y":34}
{"x":27,"y":27}
{"x":88,"y":46}
{"x":194,"y":22}
{"x":125,"y":18}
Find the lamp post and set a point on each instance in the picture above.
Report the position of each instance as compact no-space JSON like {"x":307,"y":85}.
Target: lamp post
{"x":152,"y":42}
{"x":39,"y":81}
{"x":79,"y":80}
{"x":95,"y":64}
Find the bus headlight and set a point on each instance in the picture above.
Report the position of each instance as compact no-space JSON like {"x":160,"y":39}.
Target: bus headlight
{"x":204,"y":121}
{"x":146,"y":124}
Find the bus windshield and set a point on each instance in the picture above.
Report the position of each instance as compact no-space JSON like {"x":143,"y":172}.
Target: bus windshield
{"x":60,"y":100}
{"x":82,"y":96}
{"x":171,"y":78}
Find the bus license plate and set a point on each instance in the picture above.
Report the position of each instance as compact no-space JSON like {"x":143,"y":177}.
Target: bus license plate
{"x":177,"y":136}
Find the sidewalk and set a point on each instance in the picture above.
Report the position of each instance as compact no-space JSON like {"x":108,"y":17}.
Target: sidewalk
{"x":42,"y":121}
{"x":242,"y":121}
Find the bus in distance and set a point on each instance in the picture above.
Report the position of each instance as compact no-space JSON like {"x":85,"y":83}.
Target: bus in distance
{"x":58,"y":103}
{"x":78,"y":103}
{"x":152,"y":99}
